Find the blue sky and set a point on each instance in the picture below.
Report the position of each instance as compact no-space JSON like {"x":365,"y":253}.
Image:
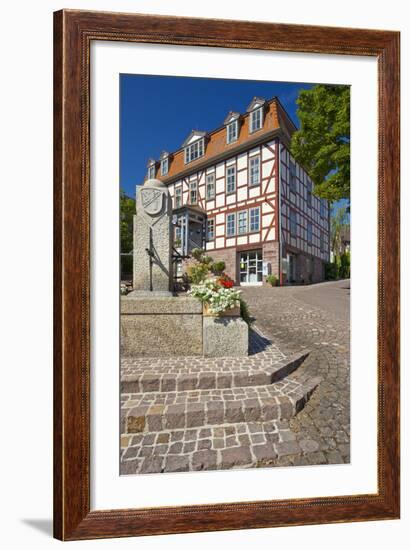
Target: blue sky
{"x":158,"y":112}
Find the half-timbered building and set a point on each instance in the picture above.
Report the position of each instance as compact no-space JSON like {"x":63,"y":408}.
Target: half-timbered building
{"x":238,"y":192}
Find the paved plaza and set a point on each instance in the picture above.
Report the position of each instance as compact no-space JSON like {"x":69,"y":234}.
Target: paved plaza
{"x":285,"y":404}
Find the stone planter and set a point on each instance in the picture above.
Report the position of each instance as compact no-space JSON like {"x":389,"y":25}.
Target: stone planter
{"x":225,"y":336}
{"x":235,"y":312}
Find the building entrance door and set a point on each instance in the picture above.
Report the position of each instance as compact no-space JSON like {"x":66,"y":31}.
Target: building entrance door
{"x":250,"y":267}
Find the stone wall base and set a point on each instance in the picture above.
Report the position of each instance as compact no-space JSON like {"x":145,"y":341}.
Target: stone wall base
{"x":161,"y":326}
{"x":270,"y":253}
{"x":225,"y":337}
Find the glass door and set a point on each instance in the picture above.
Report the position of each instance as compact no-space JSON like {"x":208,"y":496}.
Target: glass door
{"x":250,"y":269}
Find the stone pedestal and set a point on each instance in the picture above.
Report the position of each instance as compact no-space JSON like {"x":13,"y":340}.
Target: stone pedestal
{"x":152,"y":240}
{"x":157,"y":326}
{"x":225,"y":337}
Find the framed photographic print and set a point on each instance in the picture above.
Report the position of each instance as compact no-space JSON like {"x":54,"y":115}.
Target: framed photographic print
{"x":226,"y":208}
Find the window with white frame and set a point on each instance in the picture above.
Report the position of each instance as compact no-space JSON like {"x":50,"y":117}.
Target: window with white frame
{"x":309,"y":232}
{"x":292,"y":177}
{"x":178,"y":233}
{"x":255,"y":170}
{"x":255,"y":120}
{"x":309,"y":194}
{"x":231,"y":179}
{"x":210,"y":186}
{"x":323,"y":208}
{"x":322,"y":242}
{"x":293,"y":223}
{"x":178,"y":197}
{"x":254,"y":219}
{"x":232,"y":132}
{"x":210,"y":229}
{"x":242,"y":222}
{"x":151,"y":171}
{"x":164,"y":166}
{"x":193,"y":192}
{"x":194,"y":150}
{"x":230,"y":225}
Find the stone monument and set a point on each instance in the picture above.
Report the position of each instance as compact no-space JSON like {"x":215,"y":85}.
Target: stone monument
{"x":153,"y":240}
{"x":154,"y":322}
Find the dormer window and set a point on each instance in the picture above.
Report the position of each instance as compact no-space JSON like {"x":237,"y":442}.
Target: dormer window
{"x":164,"y":166}
{"x":164,"y":163}
{"x":194,"y":146}
{"x":232,"y":127}
{"x":232,"y":132}
{"x":256,"y":110}
{"x":194,"y":151}
{"x":256,"y":120}
{"x":151,"y":169}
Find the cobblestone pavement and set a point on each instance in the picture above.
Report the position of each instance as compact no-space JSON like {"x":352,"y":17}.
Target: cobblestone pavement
{"x":315,"y":316}
{"x":286,"y":404}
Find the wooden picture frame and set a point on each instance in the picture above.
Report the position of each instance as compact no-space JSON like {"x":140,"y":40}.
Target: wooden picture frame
{"x":74,"y":32}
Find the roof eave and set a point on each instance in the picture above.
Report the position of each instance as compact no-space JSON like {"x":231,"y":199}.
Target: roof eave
{"x":190,"y":169}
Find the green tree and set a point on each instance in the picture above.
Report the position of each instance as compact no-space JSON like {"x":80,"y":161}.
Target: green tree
{"x":127,"y":211}
{"x":345,"y":265}
{"x":338,"y":221}
{"x":322,"y":144}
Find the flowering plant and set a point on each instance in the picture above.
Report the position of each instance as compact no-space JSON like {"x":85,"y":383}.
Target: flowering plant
{"x":217,"y":297}
{"x":226,"y":281}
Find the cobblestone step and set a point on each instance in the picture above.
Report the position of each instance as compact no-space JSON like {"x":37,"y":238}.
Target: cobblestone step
{"x":179,"y":374}
{"x":150,"y":412}
{"x":241,"y":445}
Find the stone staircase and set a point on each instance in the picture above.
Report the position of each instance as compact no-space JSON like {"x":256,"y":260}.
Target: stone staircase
{"x":182,"y":414}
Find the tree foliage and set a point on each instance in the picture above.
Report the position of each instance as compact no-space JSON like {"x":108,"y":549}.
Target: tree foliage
{"x":339,"y":220}
{"x":127,"y":211}
{"x":322,"y":144}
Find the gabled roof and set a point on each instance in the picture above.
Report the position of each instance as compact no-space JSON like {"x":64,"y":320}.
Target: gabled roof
{"x":255,"y":104}
{"x":231,"y":116}
{"x":193,"y":136}
{"x":151,"y":162}
{"x":164,"y":155}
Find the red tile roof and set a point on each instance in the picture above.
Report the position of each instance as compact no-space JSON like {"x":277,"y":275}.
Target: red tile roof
{"x":275,"y":118}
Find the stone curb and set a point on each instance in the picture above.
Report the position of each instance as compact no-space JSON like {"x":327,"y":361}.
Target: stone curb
{"x":283,"y":404}
{"x":287,"y":365}
{"x":166,"y":382}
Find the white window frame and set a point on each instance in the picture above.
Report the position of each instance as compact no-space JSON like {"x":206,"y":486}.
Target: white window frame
{"x":309,"y":194}
{"x":230,"y":179}
{"x":293,"y":185}
{"x":309,"y":232}
{"x":322,"y":242}
{"x":322,"y":208}
{"x":252,"y":222}
{"x":293,"y":224}
{"x":255,"y":116}
{"x":241,"y":214}
{"x":231,"y":137}
{"x":230,"y":216}
{"x":210,"y":182}
{"x":193,"y":186}
{"x":208,"y":238}
{"x":151,"y":171}
{"x":178,"y":195}
{"x":164,"y":166}
{"x":252,"y":170}
{"x":194,"y":151}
